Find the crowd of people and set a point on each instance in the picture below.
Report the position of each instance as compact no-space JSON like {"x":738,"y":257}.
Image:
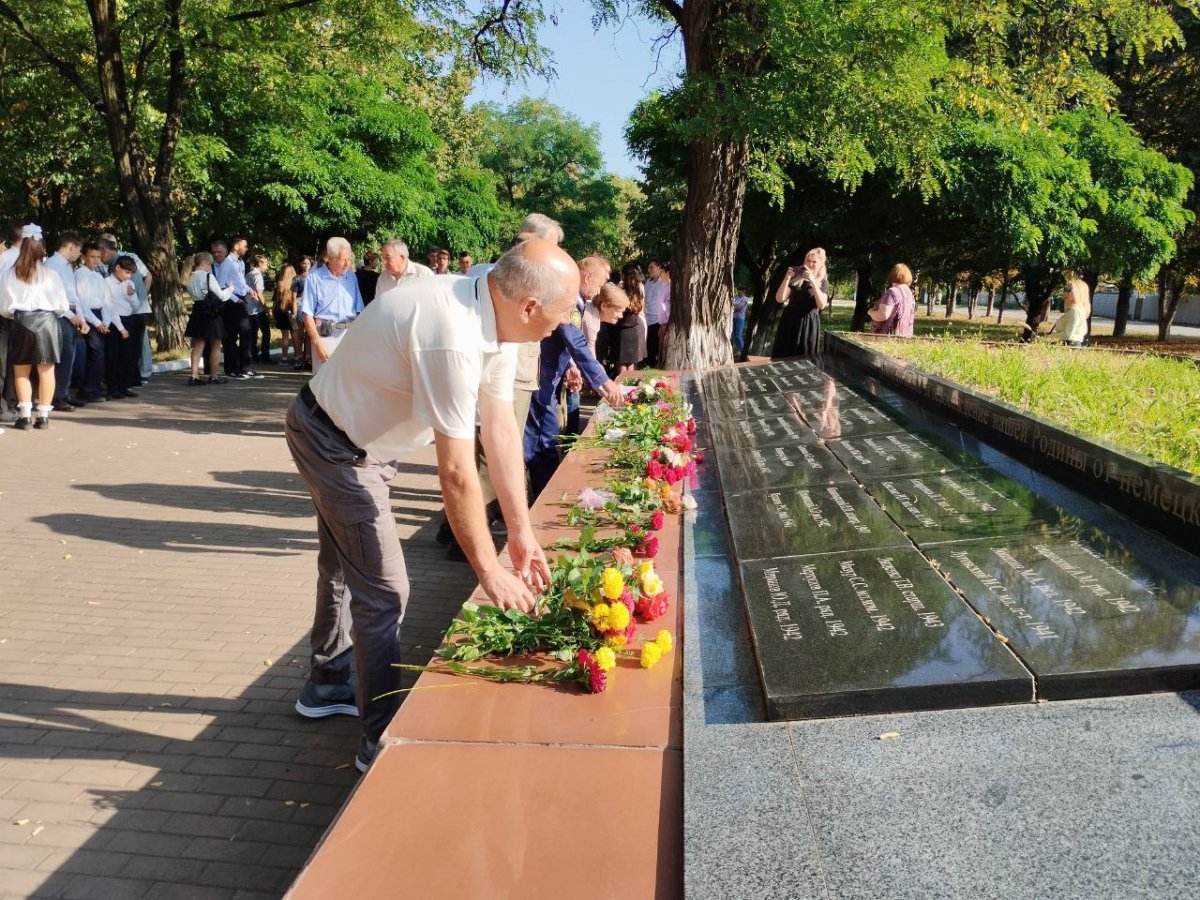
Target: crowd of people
{"x":72,"y":324}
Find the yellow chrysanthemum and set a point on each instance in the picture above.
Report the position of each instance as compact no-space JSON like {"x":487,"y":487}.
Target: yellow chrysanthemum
{"x":616,"y":641}
{"x":652,"y":585}
{"x":644,"y":567}
{"x":664,"y":641}
{"x":605,"y":658}
{"x":651,"y":654}
{"x":618,"y":616}
{"x":600,"y":616}
{"x":611,"y":583}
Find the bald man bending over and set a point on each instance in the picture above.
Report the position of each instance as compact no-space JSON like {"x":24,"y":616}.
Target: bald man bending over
{"x":418,"y":366}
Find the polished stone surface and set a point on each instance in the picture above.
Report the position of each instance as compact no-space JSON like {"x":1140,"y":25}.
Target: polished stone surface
{"x":896,"y":455}
{"x":1088,"y":617}
{"x":850,"y":633}
{"x":756,"y":407}
{"x":773,"y":431}
{"x":842,"y":417}
{"x":795,"y":522}
{"x":757,"y":468}
{"x":961,"y":505}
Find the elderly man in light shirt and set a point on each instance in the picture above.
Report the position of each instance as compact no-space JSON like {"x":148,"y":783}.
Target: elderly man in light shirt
{"x":61,"y":263}
{"x":428,"y":359}
{"x":397,"y":267}
{"x":331,"y":301}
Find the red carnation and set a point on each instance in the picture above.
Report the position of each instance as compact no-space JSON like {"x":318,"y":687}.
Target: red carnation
{"x":656,"y":520}
{"x":654,"y":469}
{"x":597,"y":680}
{"x":699,"y":458}
{"x":635,"y":529}
{"x":691,"y":425}
{"x":651,"y":608}
{"x":681,"y":444}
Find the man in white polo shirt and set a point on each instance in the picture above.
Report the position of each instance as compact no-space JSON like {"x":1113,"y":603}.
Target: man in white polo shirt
{"x":421,"y":364}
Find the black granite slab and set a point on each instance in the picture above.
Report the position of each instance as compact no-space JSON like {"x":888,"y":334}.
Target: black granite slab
{"x":785,"y":365}
{"x":852,"y":633}
{"x":960,"y":505}
{"x":814,"y":399}
{"x":1086,"y":616}
{"x":736,"y":435}
{"x":729,"y":384}
{"x":894,"y":455}
{"x":795,"y":465}
{"x":801,"y":521}
{"x":843,"y":418}
{"x":756,"y":407}
{"x":1154,"y":494}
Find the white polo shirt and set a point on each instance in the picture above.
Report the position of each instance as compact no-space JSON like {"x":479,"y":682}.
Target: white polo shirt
{"x":414,"y":361}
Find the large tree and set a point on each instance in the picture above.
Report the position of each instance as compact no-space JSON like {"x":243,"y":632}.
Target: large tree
{"x":137,"y":65}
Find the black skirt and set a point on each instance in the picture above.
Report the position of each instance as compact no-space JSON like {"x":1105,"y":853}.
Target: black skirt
{"x":204,"y":327}
{"x":283,"y":320}
{"x":35,"y":339}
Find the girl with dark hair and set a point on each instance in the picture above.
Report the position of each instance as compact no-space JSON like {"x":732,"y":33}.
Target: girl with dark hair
{"x":623,"y":343}
{"x":34,"y":298}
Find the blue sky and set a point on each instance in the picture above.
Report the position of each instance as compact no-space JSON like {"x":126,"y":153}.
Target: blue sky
{"x":601,"y":75}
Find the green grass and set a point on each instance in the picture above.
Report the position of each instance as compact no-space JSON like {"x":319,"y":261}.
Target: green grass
{"x":1143,"y":403}
{"x":937,"y":325}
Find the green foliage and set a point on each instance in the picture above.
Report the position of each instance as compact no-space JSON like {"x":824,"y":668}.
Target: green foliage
{"x":1143,"y":403}
{"x":547,"y":160}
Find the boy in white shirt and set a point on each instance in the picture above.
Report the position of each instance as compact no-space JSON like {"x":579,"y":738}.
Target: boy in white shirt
{"x":93,"y":305}
{"x":120,"y":353}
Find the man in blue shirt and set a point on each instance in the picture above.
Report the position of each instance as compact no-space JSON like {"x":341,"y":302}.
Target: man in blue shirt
{"x":565,"y":346}
{"x":231,"y":271}
{"x":331,"y":301}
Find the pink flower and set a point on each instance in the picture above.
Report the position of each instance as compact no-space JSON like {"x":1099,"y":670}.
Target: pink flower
{"x":691,"y":425}
{"x":622,"y":556}
{"x":663,"y":406}
{"x":699,"y":457}
{"x":656,"y":520}
{"x":654,"y":469}
{"x":628,"y":599}
{"x":590,"y":499}
{"x":635,"y":529}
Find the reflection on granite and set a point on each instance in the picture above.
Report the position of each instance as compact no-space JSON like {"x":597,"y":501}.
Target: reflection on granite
{"x":1086,"y":615}
{"x":794,"y":522}
{"x":900,"y":454}
{"x":756,"y":468}
{"x":757,"y":407}
{"x":848,"y":633}
{"x":773,"y":431}
{"x":959,"y":505}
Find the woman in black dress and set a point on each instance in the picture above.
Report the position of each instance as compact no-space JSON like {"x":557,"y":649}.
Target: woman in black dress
{"x":804,"y":293}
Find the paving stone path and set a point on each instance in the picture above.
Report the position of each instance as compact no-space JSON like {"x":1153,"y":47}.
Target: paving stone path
{"x":156,"y":582}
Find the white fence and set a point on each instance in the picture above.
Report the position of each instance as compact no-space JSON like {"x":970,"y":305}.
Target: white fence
{"x":1144,"y":308}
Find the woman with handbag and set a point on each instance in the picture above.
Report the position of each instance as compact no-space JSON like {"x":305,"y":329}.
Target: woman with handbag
{"x":205,"y":326}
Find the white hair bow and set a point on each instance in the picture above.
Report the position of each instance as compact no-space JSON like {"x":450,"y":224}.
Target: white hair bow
{"x":32,"y":231}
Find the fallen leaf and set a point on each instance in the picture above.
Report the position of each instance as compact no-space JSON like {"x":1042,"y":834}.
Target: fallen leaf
{"x":889,"y":736}
{"x":289,"y":802}
{"x":66,"y":556}
{"x":21,"y":822}
{"x":38,"y":830}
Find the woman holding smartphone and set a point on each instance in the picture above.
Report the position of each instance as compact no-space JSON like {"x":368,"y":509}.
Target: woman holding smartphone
{"x":804,"y":293}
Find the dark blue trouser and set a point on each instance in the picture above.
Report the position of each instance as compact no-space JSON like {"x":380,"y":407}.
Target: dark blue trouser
{"x":94,"y":363}
{"x":66,"y":361}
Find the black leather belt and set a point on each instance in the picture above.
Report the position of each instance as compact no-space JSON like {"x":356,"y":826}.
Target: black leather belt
{"x":309,"y":399}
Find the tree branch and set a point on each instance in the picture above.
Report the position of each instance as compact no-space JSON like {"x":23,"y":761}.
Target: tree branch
{"x":249,"y":14}
{"x":64,"y":68}
{"x":672,"y":8}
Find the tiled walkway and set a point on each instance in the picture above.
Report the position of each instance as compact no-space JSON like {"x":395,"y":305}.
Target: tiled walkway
{"x":156,"y":579}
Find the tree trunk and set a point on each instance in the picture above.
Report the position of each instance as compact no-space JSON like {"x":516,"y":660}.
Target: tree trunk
{"x":145,"y":194}
{"x":1039,"y":287}
{"x":1092,"y":279}
{"x":1003,"y":296}
{"x":1170,"y":291}
{"x":864,"y":294}
{"x":951,"y":297}
{"x":702,"y":271}
{"x":929,"y":297}
{"x":1124,"y":294}
{"x":974,"y":286}
{"x":987,"y":313}
{"x":702,"y":282}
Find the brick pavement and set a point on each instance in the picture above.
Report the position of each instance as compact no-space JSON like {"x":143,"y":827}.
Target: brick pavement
{"x":156,"y":581}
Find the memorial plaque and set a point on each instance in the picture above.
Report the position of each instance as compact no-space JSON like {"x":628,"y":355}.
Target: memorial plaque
{"x":1084,"y":615}
{"x":755,"y":407}
{"x":829,"y":395}
{"x":900,"y":454}
{"x":960,"y":505}
{"x":727,"y":384}
{"x":802,"y":521}
{"x":784,"y":365}
{"x":734,"y":436}
{"x":795,"y":465}
{"x":848,"y":417}
{"x":852,"y":633}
